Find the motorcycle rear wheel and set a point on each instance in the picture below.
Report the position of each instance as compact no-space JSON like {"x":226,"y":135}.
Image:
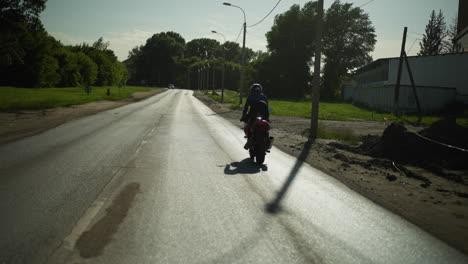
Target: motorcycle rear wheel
{"x":260,"y":157}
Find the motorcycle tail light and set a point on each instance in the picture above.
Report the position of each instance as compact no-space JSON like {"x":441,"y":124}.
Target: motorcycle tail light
{"x":263,"y":126}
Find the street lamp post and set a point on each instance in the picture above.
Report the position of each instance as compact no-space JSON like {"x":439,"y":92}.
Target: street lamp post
{"x":224,"y":62}
{"x":208,"y":76}
{"x":203,"y":78}
{"x":242,"y":53}
{"x":199,"y":79}
{"x":214,"y":80}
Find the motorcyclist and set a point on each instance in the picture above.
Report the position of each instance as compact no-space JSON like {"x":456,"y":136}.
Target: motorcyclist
{"x":255,"y":105}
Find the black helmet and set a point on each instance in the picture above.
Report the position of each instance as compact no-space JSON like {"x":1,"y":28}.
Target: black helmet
{"x":256,"y":87}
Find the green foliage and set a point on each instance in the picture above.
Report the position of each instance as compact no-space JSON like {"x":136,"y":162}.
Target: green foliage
{"x":156,"y":62}
{"x":103,"y":59}
{"x":450,"y":44}
{"x":41,"y":98}
{"x":432,"y":42}
{"x":232,"y":51}
{"x":68,"y":68}
{"x":17,"y":18}
{"x":348,"y":39}
{"x":87,"y":69}
{"x":47,"y":75}
{"x":231,"y":97}
{"x":204,"y":48}
{"x":30,"y":57}
{"x":290,"y":42}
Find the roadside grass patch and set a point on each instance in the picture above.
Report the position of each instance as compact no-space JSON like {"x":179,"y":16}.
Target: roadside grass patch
{"x":339,"y":111}
{"x":231,"y":97}
{"x":342,"y":134}
{"x":350,"y":112}
{"x":12,"y":98}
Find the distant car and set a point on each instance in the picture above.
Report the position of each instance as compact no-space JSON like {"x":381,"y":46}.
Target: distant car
{"x":171,"y":86}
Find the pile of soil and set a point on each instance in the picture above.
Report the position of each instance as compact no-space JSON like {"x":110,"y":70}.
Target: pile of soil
{"x":440,"y":146}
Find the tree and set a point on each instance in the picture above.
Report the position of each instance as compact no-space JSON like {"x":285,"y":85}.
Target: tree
{"x":100,"y":44}
{"x":449,"y":45}
{"x":433,"y":37}
{"x":68,"y":67}
{"x":47,"y":75}
{"x":155,"y":63}
{"x":17,"y":18}
{"x":87,"y":69}
{"x":348,"y":38}
{"x":109,"y":70}
{"x":232,"y":51}
{"x":290,"y":42}
{"x":203,"y":48}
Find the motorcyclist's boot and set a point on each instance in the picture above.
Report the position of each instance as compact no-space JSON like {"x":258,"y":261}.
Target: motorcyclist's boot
{"x":248,"y":143}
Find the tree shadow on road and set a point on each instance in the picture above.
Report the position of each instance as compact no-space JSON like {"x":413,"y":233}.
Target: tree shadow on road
{"x":274,"y":206}
{"x":246,"y":166}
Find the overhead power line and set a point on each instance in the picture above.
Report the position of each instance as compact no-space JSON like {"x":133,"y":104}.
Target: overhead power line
{"x":413,"y":44}
{"x":367,"y":3}
{"x":266,"y":15}
{"x":238,"y":35}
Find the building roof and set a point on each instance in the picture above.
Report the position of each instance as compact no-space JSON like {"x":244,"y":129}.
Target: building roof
{"x":381,"y":61}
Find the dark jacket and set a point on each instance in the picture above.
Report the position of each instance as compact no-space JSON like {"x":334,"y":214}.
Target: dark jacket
{"x":258,"y":104}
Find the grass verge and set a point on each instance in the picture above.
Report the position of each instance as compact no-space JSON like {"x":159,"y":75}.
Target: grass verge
{"x":12,"y":98}
{"x":338,"y":111}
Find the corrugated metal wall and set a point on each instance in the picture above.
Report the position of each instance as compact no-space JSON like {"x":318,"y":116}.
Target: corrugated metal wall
{"x":440,"y":80}
{"x":431,"y":99}
{"x":447,"y":71}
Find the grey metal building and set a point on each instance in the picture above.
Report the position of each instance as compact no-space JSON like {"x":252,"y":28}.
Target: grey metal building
{"x":440,"y":80}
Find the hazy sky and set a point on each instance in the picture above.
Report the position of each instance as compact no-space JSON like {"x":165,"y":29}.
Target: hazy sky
{"x":127,"y":24}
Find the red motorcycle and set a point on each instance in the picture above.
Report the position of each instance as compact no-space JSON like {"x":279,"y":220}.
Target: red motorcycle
{"x":261,"y":141}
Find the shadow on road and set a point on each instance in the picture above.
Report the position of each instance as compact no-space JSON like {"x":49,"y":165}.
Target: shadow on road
{"x":246,"y":166}
{"x":274,"y":206}
{"x":221,"y":113}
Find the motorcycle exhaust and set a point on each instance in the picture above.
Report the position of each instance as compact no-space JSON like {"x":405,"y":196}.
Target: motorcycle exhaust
{"x":270,"y":143}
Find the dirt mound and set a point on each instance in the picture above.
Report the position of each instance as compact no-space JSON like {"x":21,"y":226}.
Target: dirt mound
{"x":406,"y":147}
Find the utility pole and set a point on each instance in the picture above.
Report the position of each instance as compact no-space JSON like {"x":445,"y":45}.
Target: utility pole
{"x":400,"y":64}
{"x":224,"y":62}
{"x":242,"y":53}
{"x":208,"y":77}
{"x":199,"y":79}
{"x":242,"y":67}
{"x":189,"y":84}
{"x":316,"y":80}
{"x":404,"y":56}
{"x":415,"y":93}
{"x":203,"y":78}
{"x":214,"y":83}
{"x":222,"y":78}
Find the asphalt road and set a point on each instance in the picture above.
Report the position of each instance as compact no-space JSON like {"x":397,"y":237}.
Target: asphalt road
{"x":166,"y":180}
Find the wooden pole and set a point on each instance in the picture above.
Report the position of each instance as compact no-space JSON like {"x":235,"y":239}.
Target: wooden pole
{"x":400,"y":64}
{"x":316,"y":80}
{"x":415,"y":93}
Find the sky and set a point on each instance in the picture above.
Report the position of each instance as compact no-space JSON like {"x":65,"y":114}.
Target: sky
{"x":127,"y":24}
